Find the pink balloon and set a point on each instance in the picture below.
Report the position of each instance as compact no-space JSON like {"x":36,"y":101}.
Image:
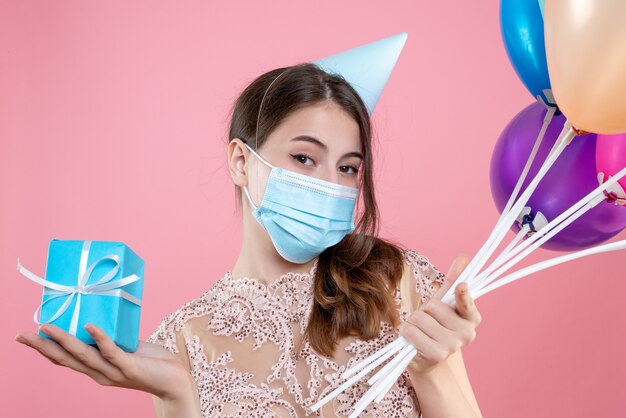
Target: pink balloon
{"x":611,"y":155}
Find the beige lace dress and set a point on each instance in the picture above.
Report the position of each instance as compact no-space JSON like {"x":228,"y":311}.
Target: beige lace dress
{"x":243,"y":343}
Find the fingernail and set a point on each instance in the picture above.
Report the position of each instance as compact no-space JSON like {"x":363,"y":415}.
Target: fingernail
{"x":89,"y":328}
{"x":20,"y":339}
{"x":43,"y":329}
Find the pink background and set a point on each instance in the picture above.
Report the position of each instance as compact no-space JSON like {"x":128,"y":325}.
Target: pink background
{"x":113,"y":121}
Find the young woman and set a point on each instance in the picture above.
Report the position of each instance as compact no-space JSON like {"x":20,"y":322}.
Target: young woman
{"x":311,"y":293}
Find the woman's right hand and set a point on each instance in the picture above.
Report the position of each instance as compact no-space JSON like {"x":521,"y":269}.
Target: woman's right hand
{"x":151,"y":368}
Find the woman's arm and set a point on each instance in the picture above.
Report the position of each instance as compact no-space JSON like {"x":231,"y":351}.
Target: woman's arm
{"x":178,"y":408}
{"x":187,"y":404}
{"x":446,"y":390}
{"x":438,"y":332}
{"x":150,"y":369}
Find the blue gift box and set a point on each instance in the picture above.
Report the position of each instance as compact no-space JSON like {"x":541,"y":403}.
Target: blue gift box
{"x":108,"y":296}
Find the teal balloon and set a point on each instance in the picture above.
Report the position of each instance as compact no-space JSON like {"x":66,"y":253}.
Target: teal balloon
{"x":521,"y":24}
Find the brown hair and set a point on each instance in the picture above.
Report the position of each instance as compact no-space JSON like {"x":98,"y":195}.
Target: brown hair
{"x":355,"y":279}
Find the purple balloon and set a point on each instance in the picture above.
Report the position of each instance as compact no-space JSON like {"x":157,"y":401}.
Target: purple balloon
{"x":572,"y":176}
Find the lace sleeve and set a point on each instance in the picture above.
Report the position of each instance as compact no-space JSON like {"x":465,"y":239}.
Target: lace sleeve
{"x":420,"y":280}
{"x":170,"y":334}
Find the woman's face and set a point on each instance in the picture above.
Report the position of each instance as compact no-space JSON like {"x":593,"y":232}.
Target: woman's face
{"x":321,"y":141}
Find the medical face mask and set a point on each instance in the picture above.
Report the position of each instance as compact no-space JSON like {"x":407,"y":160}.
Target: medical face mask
{"x":303,"y":215}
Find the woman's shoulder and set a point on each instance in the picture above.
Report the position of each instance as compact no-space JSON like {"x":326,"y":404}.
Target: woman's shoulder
{"x":168,"y":331}
{"x":420,"y":280}
{"x":420,"y":262}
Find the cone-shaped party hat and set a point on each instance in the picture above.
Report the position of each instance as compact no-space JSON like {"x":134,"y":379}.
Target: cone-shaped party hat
{"x":367,"y":67}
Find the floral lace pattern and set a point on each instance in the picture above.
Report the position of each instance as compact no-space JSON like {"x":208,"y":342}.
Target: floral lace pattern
{"x":224,"y":385}
{"x":245,"y":346}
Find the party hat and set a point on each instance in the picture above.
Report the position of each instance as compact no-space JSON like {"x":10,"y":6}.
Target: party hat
{"x":367,"y":67}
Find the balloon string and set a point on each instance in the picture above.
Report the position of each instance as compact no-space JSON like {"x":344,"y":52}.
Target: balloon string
{"x":546,"y":122}
{"x":521,"y":234}
{"x":591,"y":199}
{"x":489,"y":275}
{"x":471,"y":269}
{"x":498,"y":233}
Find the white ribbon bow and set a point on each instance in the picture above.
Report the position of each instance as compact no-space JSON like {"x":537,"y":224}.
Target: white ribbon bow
{"x":103,"y":287}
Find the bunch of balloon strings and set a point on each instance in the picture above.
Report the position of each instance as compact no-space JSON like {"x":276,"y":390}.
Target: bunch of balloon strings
{"x":481,"y":283}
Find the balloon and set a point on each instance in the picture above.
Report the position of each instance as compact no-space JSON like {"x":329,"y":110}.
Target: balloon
{"x":572,"y":176}
{"x":586,"y":54}
{"x":611,"y":155}
{"x":521,"y":24}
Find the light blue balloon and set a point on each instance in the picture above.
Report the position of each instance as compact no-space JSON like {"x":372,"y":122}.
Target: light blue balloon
{"x":521,"y":23}
{"x":367,"y":68}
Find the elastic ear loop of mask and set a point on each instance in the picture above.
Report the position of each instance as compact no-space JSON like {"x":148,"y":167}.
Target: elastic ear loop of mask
{"x":256,"y":137}
{"x":245,"y":189}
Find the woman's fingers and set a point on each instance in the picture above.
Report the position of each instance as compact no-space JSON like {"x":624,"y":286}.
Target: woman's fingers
{"x":152,"y":369}
{"x":426,"y":347}
{"x":465,"y":304}
{"x":441,"y":323}
{"x":462,"y":327}
{"x":444,"y":314}
{"x":86,"y":354}
{"x":456,"y":268}
{"x":111,"y":352}
{"x":433,"y":329}
{"x":58,"y":355}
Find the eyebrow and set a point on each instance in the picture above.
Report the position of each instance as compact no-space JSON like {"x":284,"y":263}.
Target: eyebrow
{"x":313,"y":140}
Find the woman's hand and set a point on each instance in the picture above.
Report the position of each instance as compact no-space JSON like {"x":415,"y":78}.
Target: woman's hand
{"x":437,"y":330}
{"x":151,"y":368}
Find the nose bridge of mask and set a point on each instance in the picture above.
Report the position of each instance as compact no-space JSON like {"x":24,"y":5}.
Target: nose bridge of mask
{"x":285,"y":179}
{"x":245,"y":188}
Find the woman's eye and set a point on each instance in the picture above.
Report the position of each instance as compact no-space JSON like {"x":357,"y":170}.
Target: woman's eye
{"x":303,"y":159}
{"x":349,"y":169}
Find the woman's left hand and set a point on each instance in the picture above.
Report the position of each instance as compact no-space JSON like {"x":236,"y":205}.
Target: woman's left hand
{"x":437,"y":330}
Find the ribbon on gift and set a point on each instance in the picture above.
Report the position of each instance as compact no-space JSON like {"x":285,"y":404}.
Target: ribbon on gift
{"x":103,"y":287}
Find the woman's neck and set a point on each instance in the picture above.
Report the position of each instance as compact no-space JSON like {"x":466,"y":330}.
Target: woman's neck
{"x":259,"y":259}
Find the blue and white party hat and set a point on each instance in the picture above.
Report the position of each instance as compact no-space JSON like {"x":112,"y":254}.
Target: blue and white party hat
{"x":367,"y":67}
